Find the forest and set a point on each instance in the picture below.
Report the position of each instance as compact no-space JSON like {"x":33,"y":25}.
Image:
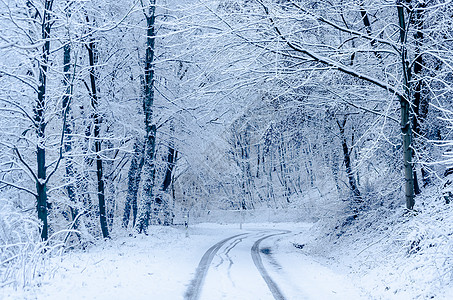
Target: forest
{"x":139,"y":113}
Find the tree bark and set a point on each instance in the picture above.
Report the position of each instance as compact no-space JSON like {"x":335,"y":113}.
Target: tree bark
{"x":165,"y":205}
{"x":367,"y":24}
{"x":135,"y":170}
{"x":41,"y":184}
{"x":150,"y":140}
{"x":421,"y":102}
{"x":283,"y":170}
{"x":171,"y":159}
{"x":149,"y":175}
{"x":92,"y":55}
{"x":347,"y":162}
{"x":405,"y":113}
{"x":69,"y":168}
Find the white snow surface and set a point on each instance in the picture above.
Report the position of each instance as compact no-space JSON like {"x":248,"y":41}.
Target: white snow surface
{"x":162,"y":266}
{"x":374,"y":258}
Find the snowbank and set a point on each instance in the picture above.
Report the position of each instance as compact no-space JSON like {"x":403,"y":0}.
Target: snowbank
{"x":392,"y":253}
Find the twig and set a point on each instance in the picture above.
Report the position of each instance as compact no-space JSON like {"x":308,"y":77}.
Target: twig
{"x":18,"y":187}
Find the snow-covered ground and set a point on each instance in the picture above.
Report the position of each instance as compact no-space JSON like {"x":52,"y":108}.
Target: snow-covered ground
{"x":157,"y":266}
{"x":162,"y":266}
{"x":368,"y":260}
{"x":389,"y":252}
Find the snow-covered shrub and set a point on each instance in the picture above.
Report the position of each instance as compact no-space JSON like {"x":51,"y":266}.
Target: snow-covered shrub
{"x":20,"y":248}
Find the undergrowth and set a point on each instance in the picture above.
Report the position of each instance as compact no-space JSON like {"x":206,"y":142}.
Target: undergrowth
{"x":391,"y":252}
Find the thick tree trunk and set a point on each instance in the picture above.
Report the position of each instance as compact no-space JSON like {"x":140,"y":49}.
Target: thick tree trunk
{"x":97,"y":144}
{"x":135,"y":170}
{"x":148,"y":184}
{"x":405,"y":114}
{"x":421,"y":102}
{"x":70,"y":189}
{"x":41,"y":184}
{"x":150,"y":140}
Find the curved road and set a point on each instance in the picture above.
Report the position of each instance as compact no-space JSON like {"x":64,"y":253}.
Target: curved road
{"x":235,"y":268}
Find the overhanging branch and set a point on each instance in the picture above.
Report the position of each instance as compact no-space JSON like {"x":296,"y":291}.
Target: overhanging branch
{"x":329,"y":62}
{"x":17,"y":187}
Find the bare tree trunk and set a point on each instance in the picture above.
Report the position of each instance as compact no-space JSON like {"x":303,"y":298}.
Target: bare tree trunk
{"x":283,"y":170}
{"x":97,"y":144}
{"x":171,"y":159}
{"x":41,"y":184}
{"x":109,"y":179}
{"x":347,"y":162}
{"x":135,"y":170}
{"x":421,"y":102}
{"x":70,"y":189}
{"x":150,"y":140}
{"x":405,"y":114}
{"x":270,"y":181}
{"x":367,"y":23}
{"x":309,"y":167}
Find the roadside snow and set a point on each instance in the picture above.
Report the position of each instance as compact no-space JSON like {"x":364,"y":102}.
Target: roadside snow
{"x":162,"y":264}
{"x":370,"y":259}
{"x":390,"y":253}
{"x":157,"y":266}
{"x":307,"y":277}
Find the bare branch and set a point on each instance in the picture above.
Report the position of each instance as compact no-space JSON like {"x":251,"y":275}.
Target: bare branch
{"x":373,"y":39}
{"x":18,"y":187}
{"x":327,"y":61}
{"x":22,"y":110}
{"x":20,"y":79}
{"x":25,"y":164}
{"x":60,"y":156}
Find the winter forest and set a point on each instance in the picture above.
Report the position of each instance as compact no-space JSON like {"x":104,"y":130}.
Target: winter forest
{"x":137,"y":123}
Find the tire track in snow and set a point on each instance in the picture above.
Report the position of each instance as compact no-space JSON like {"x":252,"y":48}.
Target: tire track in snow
{"x":194,"y":289}
{"x":227,"y":255}
{"x":226,"y":251}
{"x":255,"y":251}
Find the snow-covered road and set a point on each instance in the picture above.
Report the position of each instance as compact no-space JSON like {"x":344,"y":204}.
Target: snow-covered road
{"x":210,"y":261}
{"x":232,"y":274}
{"x":250,"y":266}
{"x":256,"y":255}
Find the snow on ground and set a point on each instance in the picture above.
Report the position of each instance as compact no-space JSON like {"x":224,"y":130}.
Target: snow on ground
{"x":162,"y":264}
{"x":157,"y":266}
{"x":307,"y":277}
{"x":384,"y":254}
{"x":390,"y":253}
